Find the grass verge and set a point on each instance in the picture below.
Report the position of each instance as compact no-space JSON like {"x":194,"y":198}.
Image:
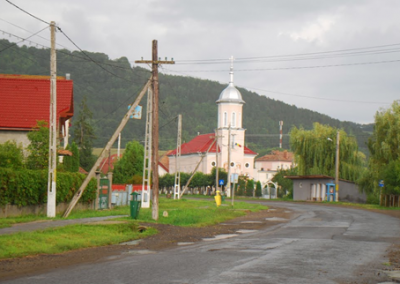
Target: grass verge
{"x":62,"y":239}
{"x":182,"y":212}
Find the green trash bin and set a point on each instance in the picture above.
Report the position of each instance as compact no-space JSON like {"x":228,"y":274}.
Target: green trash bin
{"x":223,"y":198}
{"x":135,"y":204}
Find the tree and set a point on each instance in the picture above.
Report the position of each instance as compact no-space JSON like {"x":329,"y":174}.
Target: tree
{"x":38,"y":148}
{"x":84,"y":135}
{"x":258,"y":189}
{"x":130,"y":164}
{"x":315,"y":154}
{"x":11,"y":155}
{"x":285,"y":183}
{"x":71,"y":163}
{"x":384,"y":145}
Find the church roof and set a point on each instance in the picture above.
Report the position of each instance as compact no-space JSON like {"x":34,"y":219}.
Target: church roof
{"x":201,"y":143}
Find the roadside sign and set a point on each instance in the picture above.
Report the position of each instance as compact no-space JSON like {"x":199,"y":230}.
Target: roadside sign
{"x":234,"y":178}
{"x":137,"y":113}
{"x":381,"y":183}
{"x":221,"y":182}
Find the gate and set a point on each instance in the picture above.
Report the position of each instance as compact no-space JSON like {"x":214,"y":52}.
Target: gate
{"x":104,"y":193}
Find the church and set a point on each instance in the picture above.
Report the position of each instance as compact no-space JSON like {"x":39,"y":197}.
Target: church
{"x":226,"y":147}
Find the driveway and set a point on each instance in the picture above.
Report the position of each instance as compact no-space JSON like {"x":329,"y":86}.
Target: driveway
{"x":320,"y":244}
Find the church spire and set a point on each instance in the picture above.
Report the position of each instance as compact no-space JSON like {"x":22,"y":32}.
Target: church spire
{"x":231,"y":72}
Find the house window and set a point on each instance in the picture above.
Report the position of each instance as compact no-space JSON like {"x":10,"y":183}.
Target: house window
{"x":233,"y":119}
{"x":225,"y":119}
{"x":232,"y":164}
{"x":247,"y":165}
{"x":240,"y":120}
{"x":213,"y":164}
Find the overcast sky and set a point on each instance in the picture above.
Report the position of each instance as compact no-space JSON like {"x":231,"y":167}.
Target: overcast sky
{"x":338,"y":57}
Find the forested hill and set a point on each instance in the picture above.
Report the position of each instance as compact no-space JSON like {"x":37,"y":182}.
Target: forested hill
{"x":111,"y":85}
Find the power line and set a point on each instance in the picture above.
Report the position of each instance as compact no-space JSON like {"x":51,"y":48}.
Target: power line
{"x":22,"y":39}
{"x":28,"y":13}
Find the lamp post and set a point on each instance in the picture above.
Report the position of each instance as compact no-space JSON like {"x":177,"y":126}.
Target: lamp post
{"x":336,"y":164}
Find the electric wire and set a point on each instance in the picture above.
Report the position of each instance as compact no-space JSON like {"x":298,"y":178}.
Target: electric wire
{"x":22,"y":40}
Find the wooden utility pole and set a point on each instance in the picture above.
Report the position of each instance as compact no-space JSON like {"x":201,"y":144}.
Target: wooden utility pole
{"x":154,"y":63}
{"x":177,"y":183}
{"x":52,"y":175}
{"x":103,"y":153}
{"x":337,"y":165}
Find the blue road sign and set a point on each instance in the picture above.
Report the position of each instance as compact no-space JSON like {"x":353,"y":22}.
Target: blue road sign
{"x":381,"y":183}
{"x":221,"y":182}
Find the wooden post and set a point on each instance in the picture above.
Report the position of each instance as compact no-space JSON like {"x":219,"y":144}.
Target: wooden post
{"x":154,"y":63}
{"x":337,"y":165}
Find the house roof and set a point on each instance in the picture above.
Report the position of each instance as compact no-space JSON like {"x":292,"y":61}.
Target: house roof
{"x":24,"y":99}
{"x":106,"y":161}
{"x":201,"y":143}
{"x":316,"y":177}
{"x":277,"y":155}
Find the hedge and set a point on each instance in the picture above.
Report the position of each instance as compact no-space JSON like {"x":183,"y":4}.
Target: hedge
{"x":29,"y":187}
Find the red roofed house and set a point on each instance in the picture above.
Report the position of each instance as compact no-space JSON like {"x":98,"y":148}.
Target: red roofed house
{"x":25,"y":99}
{"x":266,"y":167}
{"x":230,"y":104}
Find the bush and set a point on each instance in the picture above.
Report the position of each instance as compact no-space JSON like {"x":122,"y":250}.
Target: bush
{"x":11,"y":155}
{"x":29,"y":187}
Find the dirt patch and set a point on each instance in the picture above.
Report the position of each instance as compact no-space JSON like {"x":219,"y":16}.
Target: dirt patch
{"x":168,"y":237}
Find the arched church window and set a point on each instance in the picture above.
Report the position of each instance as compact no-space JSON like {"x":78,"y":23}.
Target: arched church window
{"x":240,"y":120}
{"x":225,"y":119}
{"x":233,"y":119}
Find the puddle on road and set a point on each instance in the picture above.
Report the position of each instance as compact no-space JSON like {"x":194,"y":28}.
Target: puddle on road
{"x":271,"y":210}
{"x":185,"y":243}
{"x":246,"y":231}
{"x":131,"y":243}
{"x":251,"y":222}
{"x":276,"y":219}
{"x":220,"y":237}
{"x":145,"y":251}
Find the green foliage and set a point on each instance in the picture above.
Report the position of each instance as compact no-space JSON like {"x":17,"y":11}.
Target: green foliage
{"x":384,"y":145}
{"x":258,"y":189}
{"x":241,"y":187}
{"x":284,"y":183}
{"x":38,"y":148}
{"x":315,"y":154}
{"x":250,"y":187}
{"x":222,"y":174}
{"x":130,"y":164}
{"x":71,"y":163}
{"x":29,"y":187}
{"x":84,"y":135}
{"x":11,"y":155}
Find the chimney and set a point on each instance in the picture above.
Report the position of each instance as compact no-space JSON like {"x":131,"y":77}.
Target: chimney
{"x":68,"y":76}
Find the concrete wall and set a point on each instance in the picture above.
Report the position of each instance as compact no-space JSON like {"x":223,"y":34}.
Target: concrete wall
{"x":20,"y":137}
{"x":14,"y":210}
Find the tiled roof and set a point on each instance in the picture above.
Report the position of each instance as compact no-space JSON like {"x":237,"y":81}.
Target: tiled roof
{"x":24,"y":99}
{"x":201,"y":143}
{"x":277,"y":156}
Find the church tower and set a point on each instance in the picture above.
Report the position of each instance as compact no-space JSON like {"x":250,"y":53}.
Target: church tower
{"x":230,"y":105}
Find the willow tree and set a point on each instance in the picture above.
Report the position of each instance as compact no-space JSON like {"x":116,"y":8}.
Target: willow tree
{"x":384,"y":147}
{"x":315,"y":152}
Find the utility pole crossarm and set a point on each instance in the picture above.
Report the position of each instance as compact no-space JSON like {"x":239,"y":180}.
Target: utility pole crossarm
{"x":155,"y":62}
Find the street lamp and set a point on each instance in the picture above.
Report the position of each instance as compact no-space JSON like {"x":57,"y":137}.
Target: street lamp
{"x":337,"y":164}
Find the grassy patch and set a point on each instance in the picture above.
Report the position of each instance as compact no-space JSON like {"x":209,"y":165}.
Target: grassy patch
{"x":197,"y":213}
{"x":58,"y":240}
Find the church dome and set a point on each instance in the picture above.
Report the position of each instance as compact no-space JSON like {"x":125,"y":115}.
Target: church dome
{"x":230,"y":94}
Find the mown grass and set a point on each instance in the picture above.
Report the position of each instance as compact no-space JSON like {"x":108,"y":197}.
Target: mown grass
{"x":182,"y":212}
{"x":62,"y":239}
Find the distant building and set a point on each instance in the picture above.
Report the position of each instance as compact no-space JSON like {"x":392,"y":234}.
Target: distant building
{"x":266,"y":167}
{"x":314,"y":188}
{"x":25,"y":99}
{"x":230,"y":104}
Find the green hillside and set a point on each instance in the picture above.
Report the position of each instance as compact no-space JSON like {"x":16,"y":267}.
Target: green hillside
{"x":111,"y":85}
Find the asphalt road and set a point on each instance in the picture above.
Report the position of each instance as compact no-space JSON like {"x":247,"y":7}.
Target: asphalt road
{"x":321,"y":244}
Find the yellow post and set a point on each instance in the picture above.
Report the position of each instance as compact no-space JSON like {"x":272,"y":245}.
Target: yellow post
{"x":218,"y":198}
